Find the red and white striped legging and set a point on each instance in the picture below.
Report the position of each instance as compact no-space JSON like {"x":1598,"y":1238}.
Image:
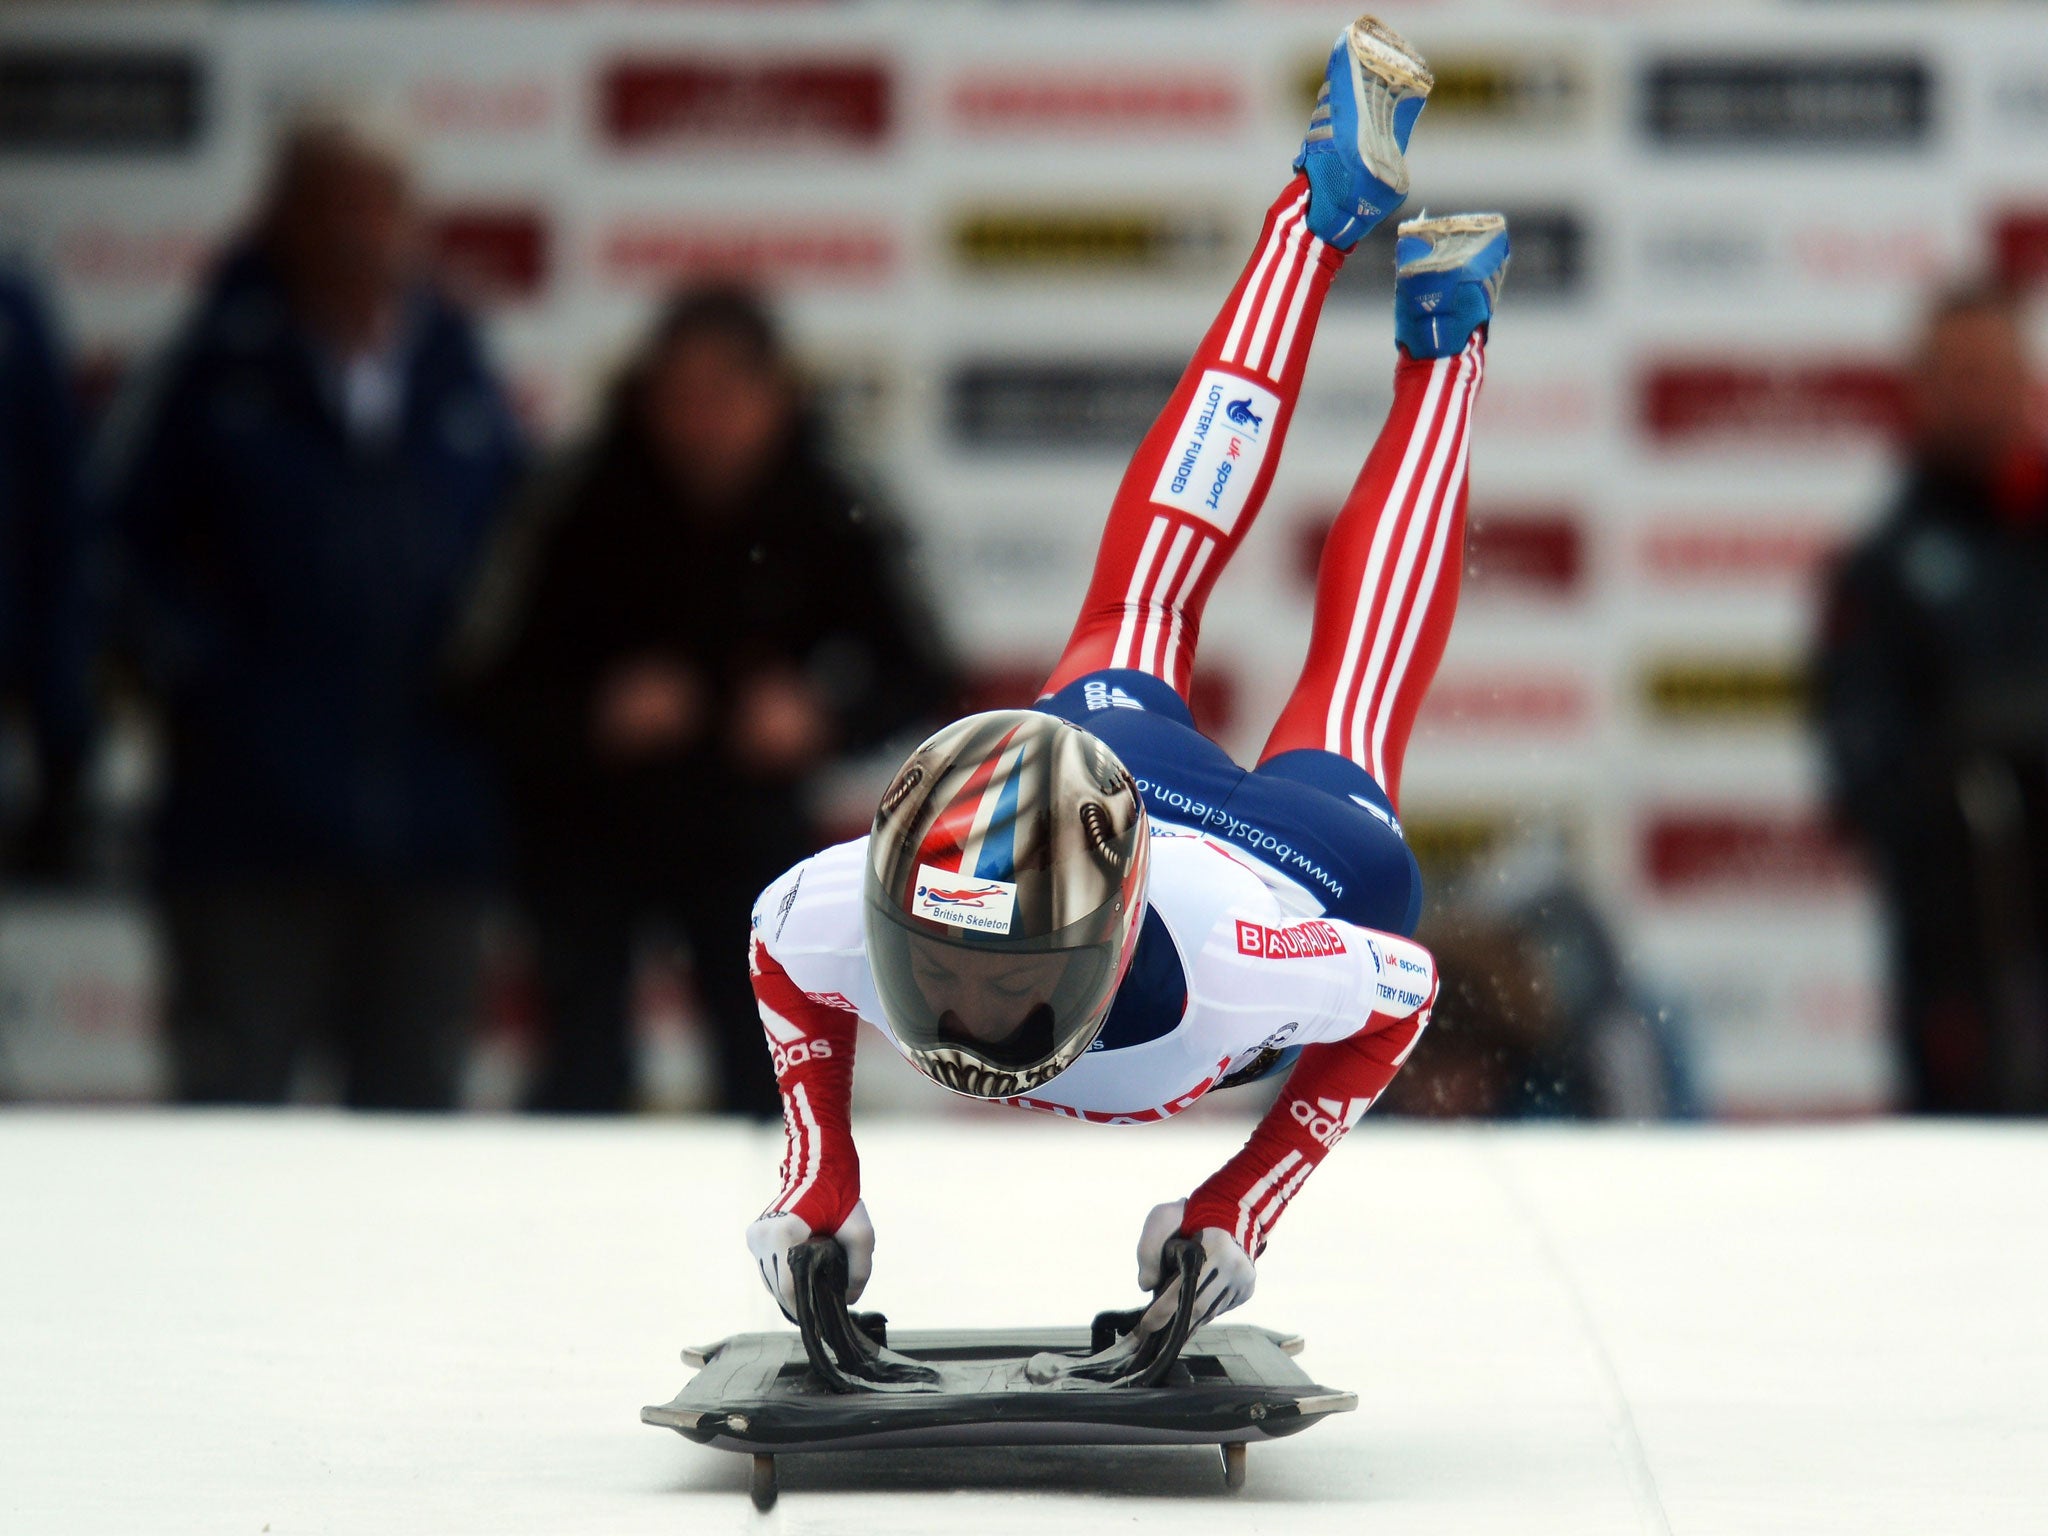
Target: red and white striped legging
{"x":1388,"y":583}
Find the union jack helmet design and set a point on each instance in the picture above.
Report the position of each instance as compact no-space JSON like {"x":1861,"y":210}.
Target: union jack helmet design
{"x":1005,"y":888}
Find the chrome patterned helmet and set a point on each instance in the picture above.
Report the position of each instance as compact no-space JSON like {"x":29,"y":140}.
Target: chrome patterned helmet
{"x":1005,"y":886}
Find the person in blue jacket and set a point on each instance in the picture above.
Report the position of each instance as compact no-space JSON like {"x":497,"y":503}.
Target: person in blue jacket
{"x":301,"y":492}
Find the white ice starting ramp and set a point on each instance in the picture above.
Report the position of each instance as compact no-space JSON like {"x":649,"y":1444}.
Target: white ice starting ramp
{"x":307,"y":1323}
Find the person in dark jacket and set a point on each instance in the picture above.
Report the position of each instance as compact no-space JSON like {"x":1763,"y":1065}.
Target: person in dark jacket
{"x":47,"y":613}
{"x":1933,"y":703}
{"x":302,"y":493}
{"x":695,"y":615}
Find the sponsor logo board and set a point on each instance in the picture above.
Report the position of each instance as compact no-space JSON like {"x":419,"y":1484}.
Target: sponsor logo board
{"x":1703,"y":402}
{"x":1731,"y":251}
{"x":1535,"y":550}
{"x":1736,"y":851}
{"x":496,"y":254}
{"x":1220,"y":448}
{"x":1710,"y":549}
{"x":482,"y":106}
{"x":1449,"y":841}
{"x":652,"y":104}
{"x":1521,"y":701}
{"x":74,"y":100}
{"x":1873,"y":101}
{"x":1720,"y":691}
{"x":101,"y":254}
{"x":1055,"y":406}
{"x":1010,"y":101}
{"x":1038,"y":240}
{"x":651,"y":251}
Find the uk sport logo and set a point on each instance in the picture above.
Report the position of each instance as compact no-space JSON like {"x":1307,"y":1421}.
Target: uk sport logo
{"x":1328,"y":1119}
{"x":1222,"y":445}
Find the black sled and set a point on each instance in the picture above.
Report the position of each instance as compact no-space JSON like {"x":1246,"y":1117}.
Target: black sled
{"x":843,"y":1383}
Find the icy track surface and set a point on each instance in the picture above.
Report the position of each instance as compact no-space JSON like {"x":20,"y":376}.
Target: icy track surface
{"x":249,"y":1323}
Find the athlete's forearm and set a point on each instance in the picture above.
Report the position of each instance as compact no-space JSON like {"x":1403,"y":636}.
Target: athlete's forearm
{"x":812,"y":1044}
{"x":1330,"y":1088}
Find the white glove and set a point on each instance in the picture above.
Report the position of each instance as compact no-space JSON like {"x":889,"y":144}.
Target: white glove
{"x":1227,"y":1277}
{"x":770,"y":1239}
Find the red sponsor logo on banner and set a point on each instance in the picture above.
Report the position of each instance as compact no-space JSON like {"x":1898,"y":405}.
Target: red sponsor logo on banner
{"x":650,"y":103}
{"x":657,"y":251}
{"x":1713,"y":550}
{"x":107,"y":255}
{"x":1006,"y":102}
{"x":1555,"y":702}
{"x":2019,"y":239}
{"x":497,"y":253}
{"x":1838,"y":256}
{"x":1532,"y":549}
{"x":1781,"y":402}
{"x":453,"y":105}
{"x":1535,"y":407}
{"x":1727,"y":852}
{"x":1301,"y":941}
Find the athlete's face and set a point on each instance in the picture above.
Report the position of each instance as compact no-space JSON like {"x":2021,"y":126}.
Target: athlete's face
{"x":985,"y":998}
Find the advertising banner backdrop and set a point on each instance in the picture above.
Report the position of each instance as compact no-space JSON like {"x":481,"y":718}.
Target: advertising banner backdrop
{"x":999,"y":245}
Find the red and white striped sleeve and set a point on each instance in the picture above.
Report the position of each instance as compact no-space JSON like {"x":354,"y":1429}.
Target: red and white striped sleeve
{"x":1330,"y":1088}
{"x":811,"y":1042}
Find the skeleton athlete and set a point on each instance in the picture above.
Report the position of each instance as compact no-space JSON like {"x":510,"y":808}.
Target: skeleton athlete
{"x":1087,"y":908}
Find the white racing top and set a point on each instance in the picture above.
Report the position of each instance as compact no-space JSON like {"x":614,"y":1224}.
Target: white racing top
{"x":1260,"y":966}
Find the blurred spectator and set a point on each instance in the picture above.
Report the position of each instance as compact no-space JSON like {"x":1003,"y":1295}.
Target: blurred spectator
{"x":695,"y":614}
{"x":1538,"y":1017}
{"x":303,"y":488}
{"x":46,"y":628}
{"x":1933,"y":701}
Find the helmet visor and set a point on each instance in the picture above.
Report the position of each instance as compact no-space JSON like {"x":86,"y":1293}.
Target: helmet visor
{"x":1016,"y":1004}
